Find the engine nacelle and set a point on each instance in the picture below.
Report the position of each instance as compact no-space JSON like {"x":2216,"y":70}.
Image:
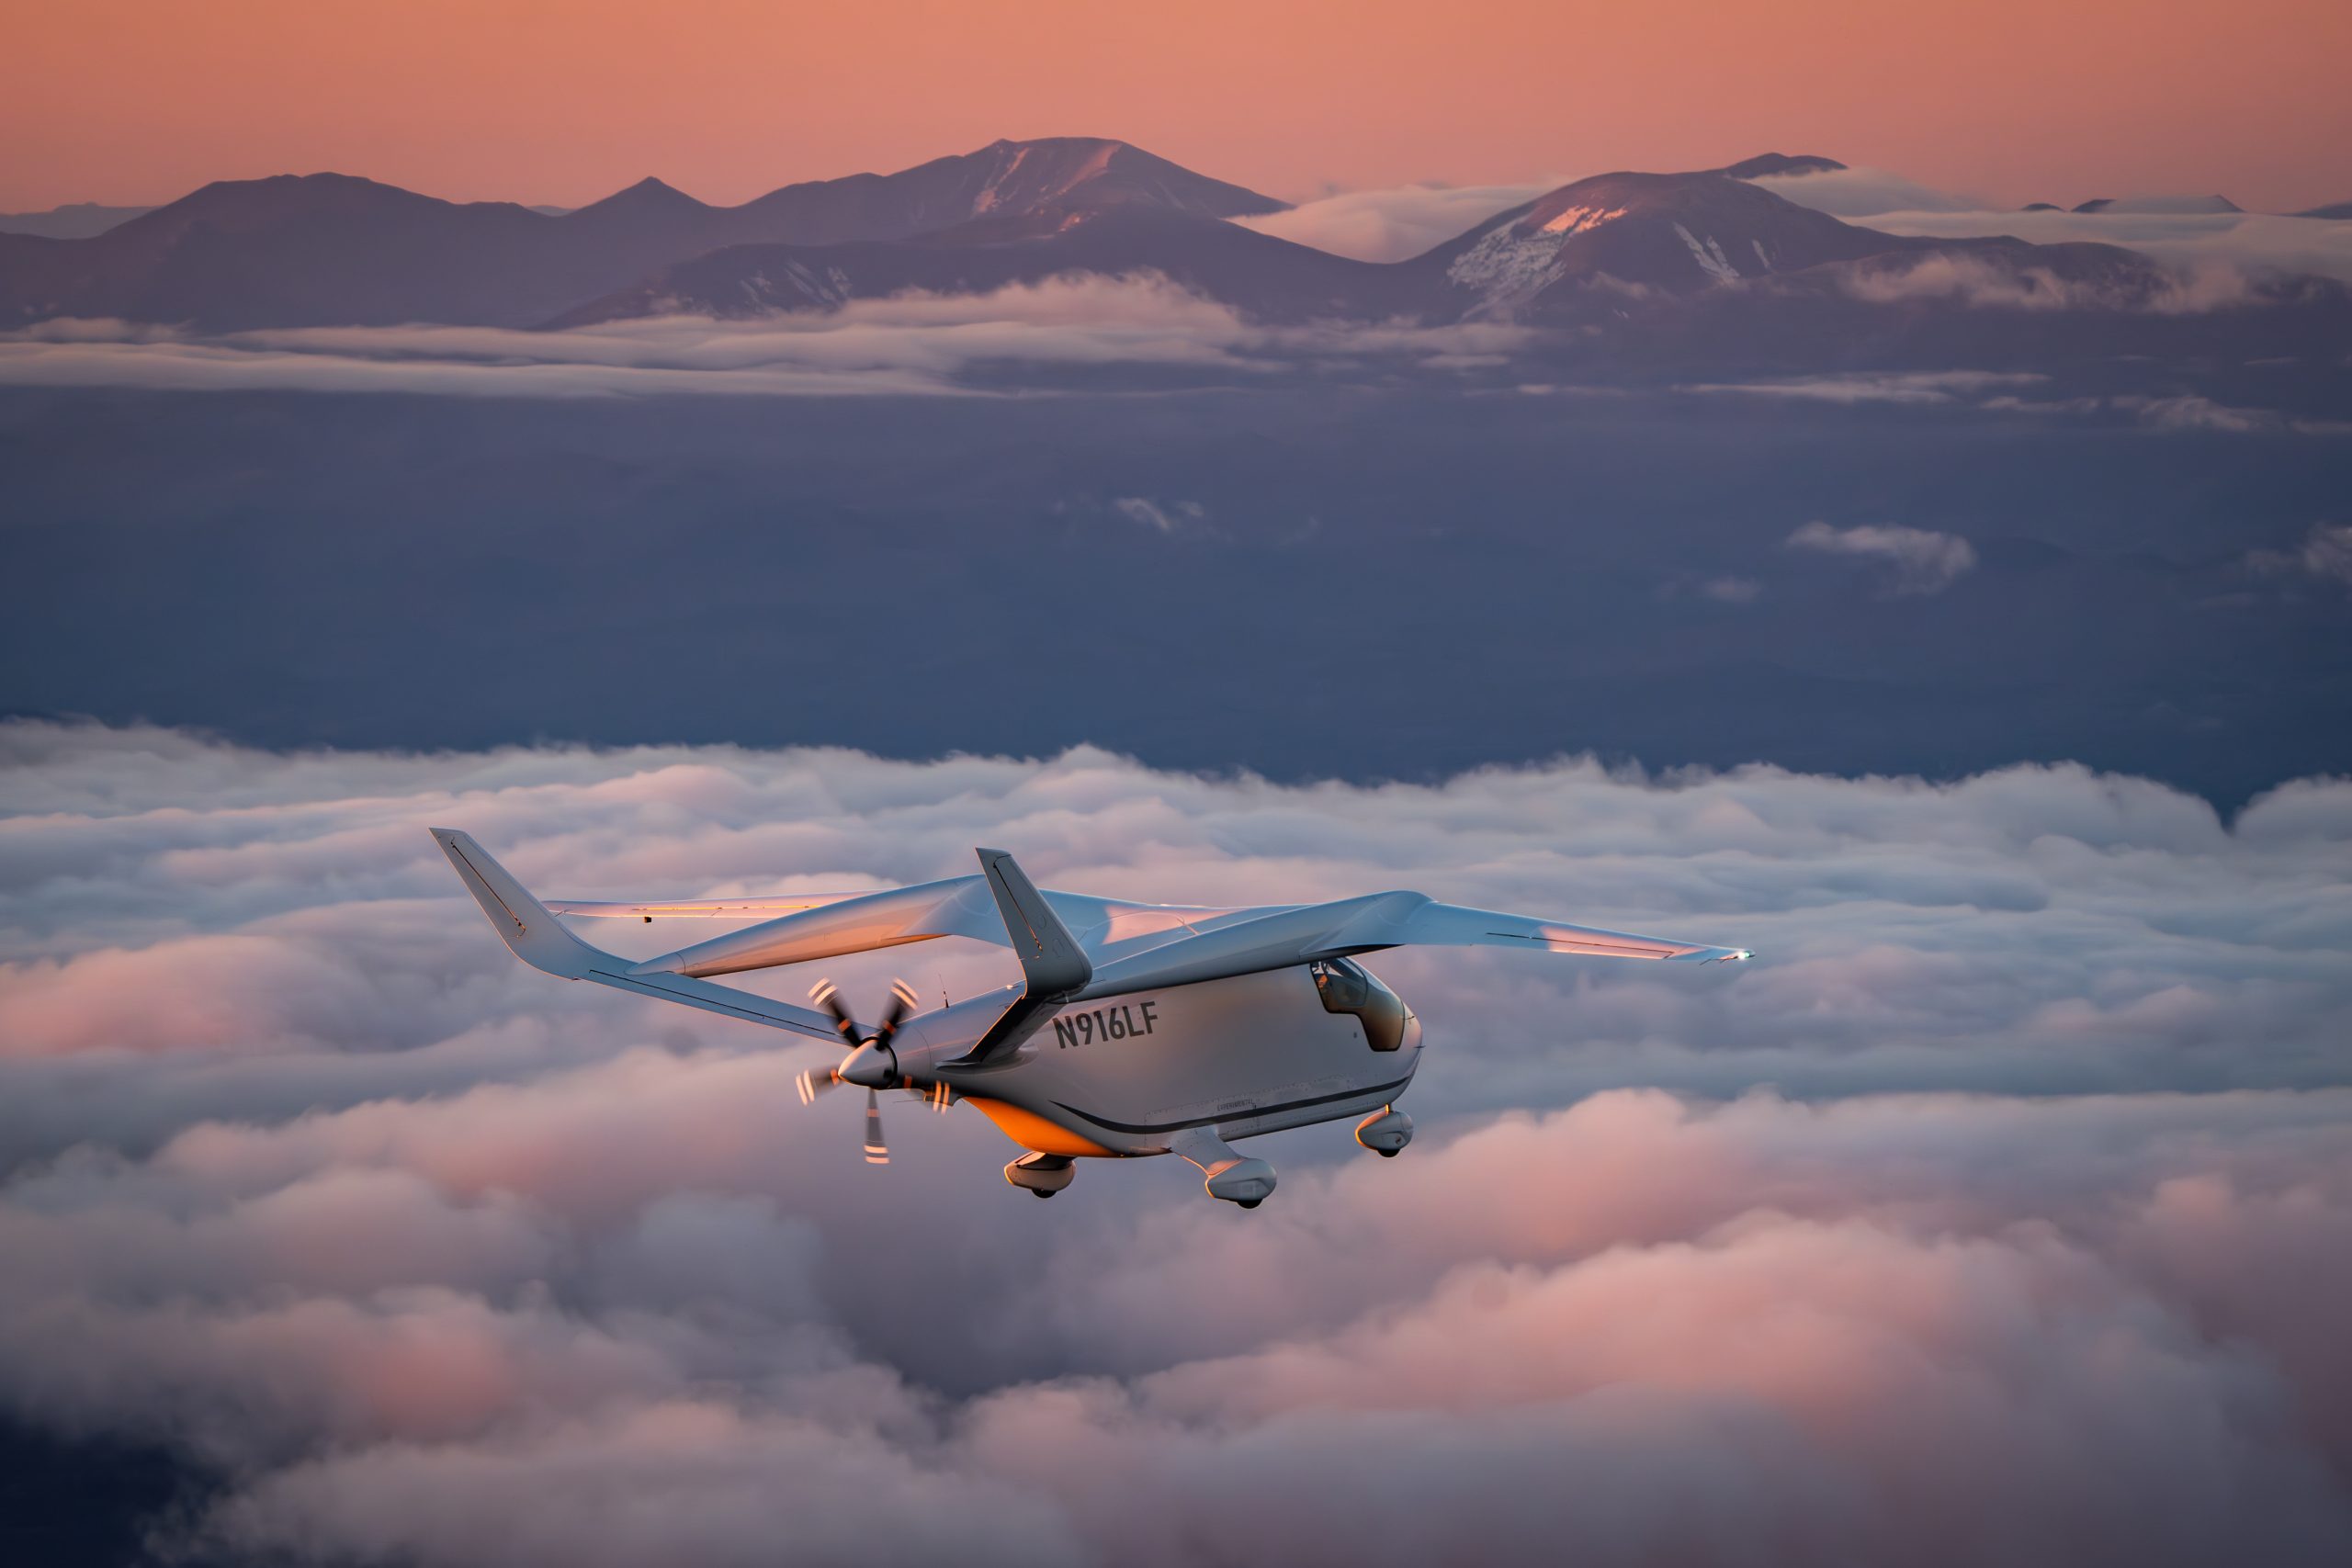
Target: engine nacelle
{"x":1043,"y":1174}
{"x":1245,"y":1181}
{"x":1385,"y":1132}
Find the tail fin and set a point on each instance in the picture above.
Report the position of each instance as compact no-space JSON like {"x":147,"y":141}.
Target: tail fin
{"x":1052,"y":964}
{"x":536,"y":937}
{"x":1051,"y":960}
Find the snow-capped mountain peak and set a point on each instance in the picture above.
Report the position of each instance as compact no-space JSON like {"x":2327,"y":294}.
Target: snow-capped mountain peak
{"x":1678,"y":233}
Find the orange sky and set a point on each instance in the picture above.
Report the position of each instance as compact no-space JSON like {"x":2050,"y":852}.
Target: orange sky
{"x":136,"y":101}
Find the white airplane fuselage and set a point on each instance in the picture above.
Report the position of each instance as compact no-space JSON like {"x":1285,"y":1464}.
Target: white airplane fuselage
{"x":1128,"y":1074}
{"x":1138,"y":1029}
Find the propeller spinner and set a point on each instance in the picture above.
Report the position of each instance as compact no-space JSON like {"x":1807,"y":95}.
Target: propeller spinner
{"x":871,"y":1065}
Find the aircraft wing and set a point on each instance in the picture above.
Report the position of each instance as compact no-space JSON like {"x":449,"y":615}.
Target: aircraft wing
{"x":1275,"y":939}
{"x":1451,"y":925}
{"x":1100,"y":946}
{"x":961,"y":905}
{"x":695,"y":909}
{"x":538,"y":938}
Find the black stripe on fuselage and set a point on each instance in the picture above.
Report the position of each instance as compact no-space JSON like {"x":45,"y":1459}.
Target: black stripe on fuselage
{"x":1247,"y":1114}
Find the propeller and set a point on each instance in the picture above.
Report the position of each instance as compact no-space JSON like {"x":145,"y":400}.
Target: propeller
{"x":871,"y":1063}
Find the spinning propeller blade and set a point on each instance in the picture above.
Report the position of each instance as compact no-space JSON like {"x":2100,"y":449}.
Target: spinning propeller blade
{"x":866,"y":1050}
{"x":812,"y":1083}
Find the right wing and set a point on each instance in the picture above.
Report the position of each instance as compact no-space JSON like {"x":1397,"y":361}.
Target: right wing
{"x":1277,"y":939}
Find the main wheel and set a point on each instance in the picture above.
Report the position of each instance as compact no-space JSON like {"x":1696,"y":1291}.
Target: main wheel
{"x":1041,"y":1191}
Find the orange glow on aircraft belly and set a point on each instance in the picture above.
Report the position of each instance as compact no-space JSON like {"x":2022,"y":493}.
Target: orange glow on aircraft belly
{"x":1032,"y":1131}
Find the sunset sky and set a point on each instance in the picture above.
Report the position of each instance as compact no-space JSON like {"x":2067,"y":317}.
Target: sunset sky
{"x":138,"y":101}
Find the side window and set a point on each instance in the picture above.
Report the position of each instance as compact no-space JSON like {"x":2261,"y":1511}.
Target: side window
{"x":1341,"y":984}
{"x":1346,"y":988}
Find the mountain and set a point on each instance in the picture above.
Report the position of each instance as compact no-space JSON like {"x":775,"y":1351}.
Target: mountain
{"x":1677,"y":267}
{"x":1071,"y":174}
{"x":76,"y":221}
{"x":2334,"y":209}
{"x":1265,"y":277}
{"x":1633,"y":232}
{"x":336,"y":249}
{"x":1638,"y":262}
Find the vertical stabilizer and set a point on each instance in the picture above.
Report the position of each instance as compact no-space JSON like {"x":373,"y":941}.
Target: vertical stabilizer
{"x":1053,"y":966}
{"x":1051,"y":960}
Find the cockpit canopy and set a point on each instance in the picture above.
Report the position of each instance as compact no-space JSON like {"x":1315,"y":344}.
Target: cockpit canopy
{"x":1346,"y":988}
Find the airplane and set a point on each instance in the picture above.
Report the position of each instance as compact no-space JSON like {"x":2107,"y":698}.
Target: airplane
{"x":1135,"y":1030}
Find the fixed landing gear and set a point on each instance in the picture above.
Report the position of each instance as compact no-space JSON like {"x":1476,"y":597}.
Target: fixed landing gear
{"x":1386,"y":1132}
{"x":1043,"y":1174}
{"x":1244,"y":1183}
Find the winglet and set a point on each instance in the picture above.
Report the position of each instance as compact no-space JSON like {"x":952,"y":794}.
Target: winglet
{"x":536,"y":937}
{"x":1051,"y":960}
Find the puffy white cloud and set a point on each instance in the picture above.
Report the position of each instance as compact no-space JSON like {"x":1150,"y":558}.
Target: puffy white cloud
{"x":1395,"y":223}
{"x":2325,"y":556}
{"x":1923,"y":560}
{"x":1171,"y":518}
{"x":2214,"y":248}
{"x":1860,"y":192}
{"x":446,"y":1262}
{"x":1731,"y":590}
{"x":2189,"y":411}
{"x":1879,"y":387}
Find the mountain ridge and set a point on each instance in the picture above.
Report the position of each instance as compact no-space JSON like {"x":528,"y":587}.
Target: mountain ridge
{"x":334,"y":249}
{"x":1615,"y":257}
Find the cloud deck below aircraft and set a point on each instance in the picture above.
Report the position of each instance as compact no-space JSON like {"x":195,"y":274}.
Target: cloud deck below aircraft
{"x":428,"y":1259}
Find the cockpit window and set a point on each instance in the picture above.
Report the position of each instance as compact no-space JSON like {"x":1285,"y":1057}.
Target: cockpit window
{"x":1346,"y":988}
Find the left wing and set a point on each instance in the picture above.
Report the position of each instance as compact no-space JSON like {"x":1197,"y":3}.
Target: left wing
{"x":696,"y":908}
{"x":538,"y":938}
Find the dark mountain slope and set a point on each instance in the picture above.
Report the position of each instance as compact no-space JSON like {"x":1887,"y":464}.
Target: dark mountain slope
{"x":336,"y":250}
{"x":1264,"y":277}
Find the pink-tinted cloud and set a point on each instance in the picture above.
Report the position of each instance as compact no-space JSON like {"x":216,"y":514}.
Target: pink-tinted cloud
{"x":446,"y":1262}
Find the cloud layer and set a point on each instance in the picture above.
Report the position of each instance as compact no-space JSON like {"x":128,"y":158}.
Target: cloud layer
{"x":434,"y":1259}
{"x":909,"y":343}
{"x":1919,"y":561}
{"x":1395,"y":223}
{"x":2211,"y":246}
